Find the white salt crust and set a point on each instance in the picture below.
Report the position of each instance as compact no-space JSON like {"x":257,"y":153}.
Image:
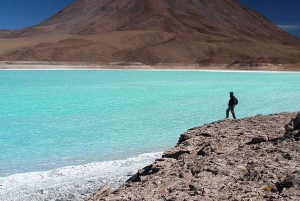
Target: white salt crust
{"x":72,"y":182}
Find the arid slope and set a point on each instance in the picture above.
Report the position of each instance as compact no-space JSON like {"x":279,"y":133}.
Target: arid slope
{"x":152,"y":32}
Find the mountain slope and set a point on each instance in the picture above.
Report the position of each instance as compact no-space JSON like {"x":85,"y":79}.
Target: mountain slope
{"x":155,"y":31}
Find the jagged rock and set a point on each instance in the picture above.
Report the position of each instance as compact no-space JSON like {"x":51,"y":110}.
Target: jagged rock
{"x":104,"y":191}
{"x":294,"y":124}
{"x":258,"y":139}
{"x":246,"y":159}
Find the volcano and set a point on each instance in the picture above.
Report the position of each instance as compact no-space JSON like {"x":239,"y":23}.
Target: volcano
{"x":152,"y":32}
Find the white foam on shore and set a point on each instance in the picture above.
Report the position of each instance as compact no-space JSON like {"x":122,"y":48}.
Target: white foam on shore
{"x":72,"y":182}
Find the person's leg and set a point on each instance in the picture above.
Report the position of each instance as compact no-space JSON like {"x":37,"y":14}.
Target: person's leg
{"x":227,"y":112}
{"x":232,"y":112}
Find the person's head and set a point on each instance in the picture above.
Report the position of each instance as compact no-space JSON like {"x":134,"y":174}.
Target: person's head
{"x":231,"y":94}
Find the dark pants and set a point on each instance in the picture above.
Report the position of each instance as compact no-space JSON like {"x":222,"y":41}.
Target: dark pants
{"x":230,"y":109}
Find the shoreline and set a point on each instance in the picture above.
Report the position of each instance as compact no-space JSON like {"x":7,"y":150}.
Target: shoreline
{"x":36,"y":65}
{"x":89,"y":182}
{"x":106,"y":68}
{"x":72,"y":182}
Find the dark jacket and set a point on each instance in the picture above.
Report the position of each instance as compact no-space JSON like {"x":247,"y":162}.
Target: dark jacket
{"x":232,"y":101}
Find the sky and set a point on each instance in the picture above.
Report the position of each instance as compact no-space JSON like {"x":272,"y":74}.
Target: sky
{"x":283,"y":13}
{"x":16,"y":14}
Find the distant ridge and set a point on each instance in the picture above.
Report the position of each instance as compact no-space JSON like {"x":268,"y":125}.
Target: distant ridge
{"x":152,"y":32}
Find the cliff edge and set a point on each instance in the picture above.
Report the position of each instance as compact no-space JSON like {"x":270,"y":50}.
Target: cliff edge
{"x":254,"y":158}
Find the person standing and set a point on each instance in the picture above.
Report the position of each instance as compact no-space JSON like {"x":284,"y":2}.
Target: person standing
{"x":233,"y":101}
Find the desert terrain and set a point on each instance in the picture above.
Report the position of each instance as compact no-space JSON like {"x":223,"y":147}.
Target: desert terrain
{"x":155,"y":33}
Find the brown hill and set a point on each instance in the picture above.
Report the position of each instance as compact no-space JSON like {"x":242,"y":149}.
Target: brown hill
{"x":152,"y":32}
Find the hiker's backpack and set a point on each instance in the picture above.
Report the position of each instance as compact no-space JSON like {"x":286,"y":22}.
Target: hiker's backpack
{"x":236,"y":101}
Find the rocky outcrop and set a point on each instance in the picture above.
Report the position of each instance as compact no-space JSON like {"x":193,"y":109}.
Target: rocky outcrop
{"x":294,"y":124}
{"x":253,"y":158}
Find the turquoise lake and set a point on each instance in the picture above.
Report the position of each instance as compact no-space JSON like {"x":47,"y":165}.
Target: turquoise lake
{"x":51,"y":119}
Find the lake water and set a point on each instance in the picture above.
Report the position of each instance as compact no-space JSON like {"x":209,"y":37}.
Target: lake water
{"x":52,"y":119}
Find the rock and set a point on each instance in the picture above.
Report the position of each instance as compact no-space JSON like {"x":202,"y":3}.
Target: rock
{"x":294,"y":124}
{"x":216,"y":162}
{"x":258,"y":139}
{"x":104,"y":191}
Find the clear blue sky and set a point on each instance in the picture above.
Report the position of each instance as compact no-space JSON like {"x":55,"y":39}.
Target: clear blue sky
{"x":284,"y":13}
{"x":16,"y":14}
